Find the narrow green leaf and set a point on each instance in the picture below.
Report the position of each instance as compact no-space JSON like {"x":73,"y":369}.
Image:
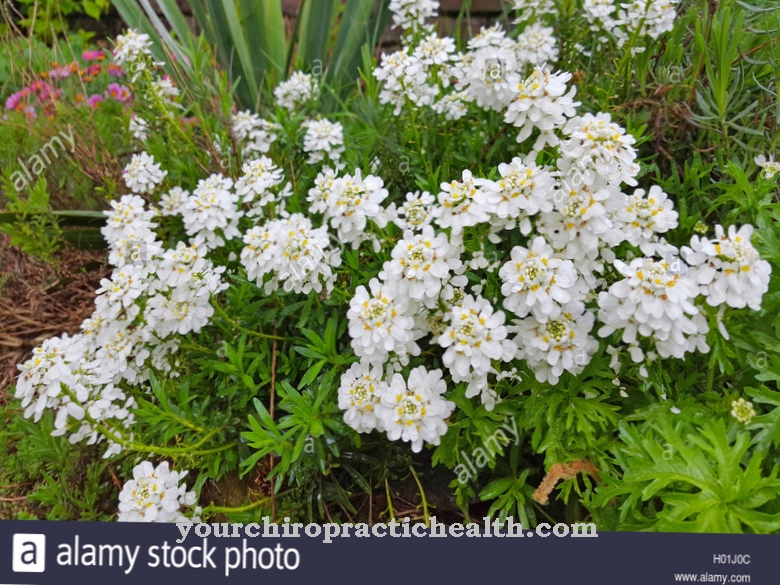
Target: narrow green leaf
{"x":312,"y":372}
{"x":314,"y":33}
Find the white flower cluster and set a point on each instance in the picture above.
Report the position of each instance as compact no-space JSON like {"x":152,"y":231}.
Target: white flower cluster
{"x":415,"y":213}
{"x":475,"y":336}
{"x":487,"y":73}
{"x":260,"y":184}
{"x":152,"y":294}
{"x":324,"y":139}
{"x":348,"y":203}
{"x":253,"y":133}
{"x":728,"y":268}
{"x":412,"y":14}
{"x":422,"y":264}
{"x":142,"y":174}
{"x":574,"y":216}
{"x":491,"y":71}
{"x":138,"y":128}
{"x":532,"y":9}
{"x":542,"y":102}
{"x":405,"y":79}
{"x":156,"y":494}
{"x":601,"y":15}
{"x":769,"y":165}
{"x":655,"y":299}
{"x":650,"y":18}
{"x":131,"y":47}
{"x":537,"y":45}
{"x":413,"y":410}
{"x":293,"y":253}
{"x":296,"y":91}
{"x":211,"y":213}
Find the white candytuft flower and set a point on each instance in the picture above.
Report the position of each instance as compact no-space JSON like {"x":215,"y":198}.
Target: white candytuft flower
{"x":580,"y":221}
{"x":127,"y":216}
{"x":536,"y":281}
{"x":212,"y":208}
{"x":659,"y":289}
{"x":360,"y":395}
{"x":728,"y":268}
{"x":323,"y":139}
{"x":643,"y":215}
{"x":155,"y":494}
{"x":462,"y":203}
{"x":597,"y":148}
{"x":296,"y":255}
{"x":600,"y":14}
{"x":326,"y":183}
{"x":292,"y":93}
{"x":435,"y":50}
{"x":488,"y":72}
{"x":452,"y":105}
{"x":404,"y":78}
{"x":542,"y":102}
{"x":165,"y":89}
{"x":260,"y":176}
{"x":415,"y":410}
{"x":558,"y":344}
{"x":416,"y":212}
{"x":769,"y":165}
{"x":51,"y":365}
{"x":131,"y":47}
{"x":536,"y":45}
{"x":253,"y":133}
{"x":421,"y":264}
{"x":523,"y":190}
{"x":655,"y":300}
{"x":530,"y":9}
{"x":139,"y":128}
{"x":135,"y":249}
{"x":351,"y":202}
{"x":412,"y":14}
{"x":172,"y":202}
{"x":645,"y":18}
{"x":381,"y":323}
{"x":142,"y":174}
{"x":475,"y":335}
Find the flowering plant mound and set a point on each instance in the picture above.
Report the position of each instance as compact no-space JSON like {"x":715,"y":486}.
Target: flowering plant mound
{"x":544,"y":281}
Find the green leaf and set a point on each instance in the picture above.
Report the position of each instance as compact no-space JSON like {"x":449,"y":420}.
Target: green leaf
{"x":316,"y":20}
{"x":311,"y":373}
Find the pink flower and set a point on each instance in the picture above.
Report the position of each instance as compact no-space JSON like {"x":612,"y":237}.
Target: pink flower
{"x":14,"y":101}
{"x":93,"y":55}
{"x":115,"y":70}
{"x":120,"y":93}
{"x":59,"y":72}
{"x":94,"y":100}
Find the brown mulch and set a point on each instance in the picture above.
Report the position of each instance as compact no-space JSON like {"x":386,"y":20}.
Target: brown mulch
{"x":40,"y":300}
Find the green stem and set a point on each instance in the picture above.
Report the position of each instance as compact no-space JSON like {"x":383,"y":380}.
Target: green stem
{"x":221,"y":312}
{"x":230,"y":509}
{"x":389,"y":500}
{"x":422,"y":495}
{"x":133,"y":446}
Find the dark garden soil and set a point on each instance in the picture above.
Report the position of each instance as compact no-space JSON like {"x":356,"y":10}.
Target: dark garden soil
{"x":40,"y":300}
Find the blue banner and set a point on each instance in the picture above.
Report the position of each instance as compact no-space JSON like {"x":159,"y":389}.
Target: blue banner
{"x":52,"y":552}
